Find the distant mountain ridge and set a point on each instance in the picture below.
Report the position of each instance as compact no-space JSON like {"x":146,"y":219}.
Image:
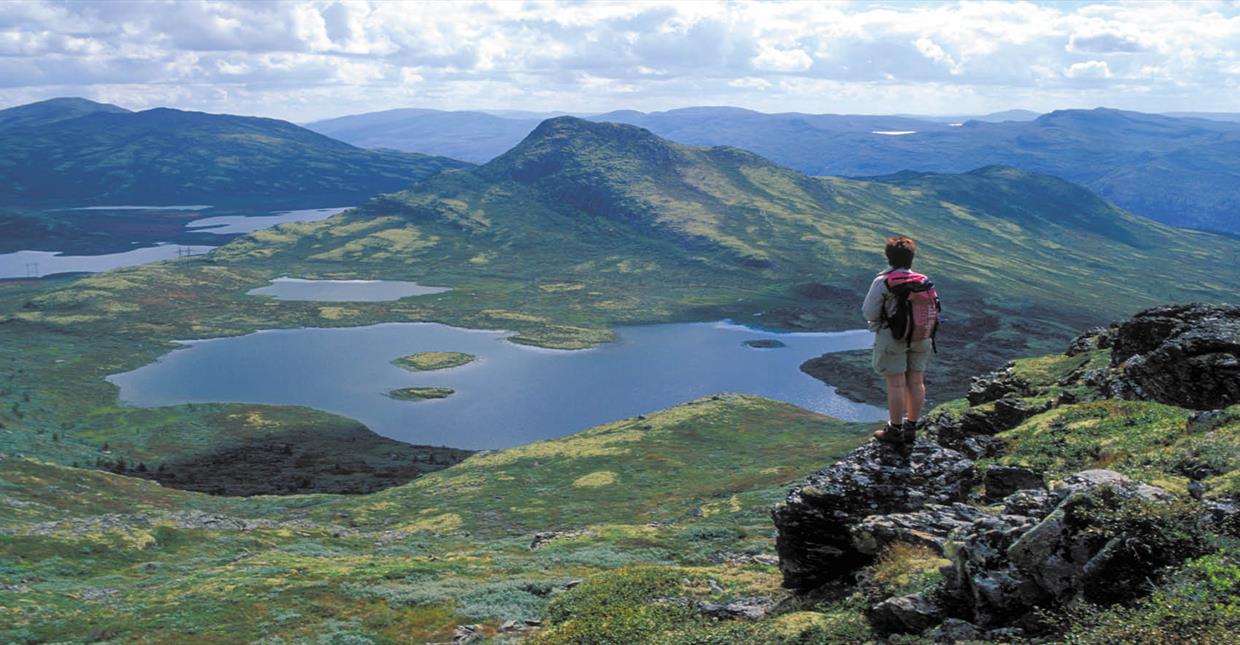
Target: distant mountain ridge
{"x":1180,"y":171}
{"x":74,"y":152}
{"x":52,"y":111}
{"x":470,"y":136}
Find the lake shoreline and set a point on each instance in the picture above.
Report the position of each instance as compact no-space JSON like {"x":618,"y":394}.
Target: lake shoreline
{"x":524,"y":394}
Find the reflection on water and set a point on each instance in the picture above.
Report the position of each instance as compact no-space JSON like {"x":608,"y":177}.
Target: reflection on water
{"x":512,"y":394}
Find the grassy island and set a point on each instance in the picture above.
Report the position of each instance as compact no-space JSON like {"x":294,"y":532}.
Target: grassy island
{"x":426,"y":361}
{"x":421,"y":393}
{"x":765,"y":343}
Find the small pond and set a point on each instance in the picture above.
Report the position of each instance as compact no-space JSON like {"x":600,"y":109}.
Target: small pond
{"x":235,"y":224}
{"x":512,"y":394}
{"x":343,"y":290}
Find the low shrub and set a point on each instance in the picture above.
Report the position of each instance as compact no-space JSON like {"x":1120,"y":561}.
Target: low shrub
{"x":1200,"y":604}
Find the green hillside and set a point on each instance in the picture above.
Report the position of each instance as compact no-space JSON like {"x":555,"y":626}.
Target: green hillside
{"x":591,"y":534}
{"x":583,"y":227}
{"x":68,"y":154}
{"x":97,"y":556}
{"x":51,"y":111}
{"x":1177,"y":170}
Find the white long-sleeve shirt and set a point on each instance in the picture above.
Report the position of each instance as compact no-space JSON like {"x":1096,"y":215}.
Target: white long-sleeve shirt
{"x":878,"y":298}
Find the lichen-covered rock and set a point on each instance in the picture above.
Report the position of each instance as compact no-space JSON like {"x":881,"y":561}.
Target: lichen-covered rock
{"x":743,"y":608}
{"x":1001,"y":481}
{"x":972,"y":433}
{"x":1185,"y":355}
{"x":1043,"y":554}
{"x":1120,"y":485}
{"x":986,"y":583}
{"x":1032,"y":502}
{"x":955,"y":630}
{"x":911,"y":614}
{"x":928,"y":527}
{"x":1206,"y":420}
{"x":996,"y":385}
{"x":814,"y":521}
{"x":1008,"y":565}
{"x":1096,"y":338}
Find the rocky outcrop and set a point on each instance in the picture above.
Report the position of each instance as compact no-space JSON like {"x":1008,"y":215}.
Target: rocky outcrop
{"x":929,"y":527}
{"x":815,"y":522}
{"x":996,"y":385}
{"x":1038,"y":551}
{"x":1018,"y":548}
{"x":1005,"y":567}
{"x":973,"y":432}
{"x":1185,"y":355}
{"x":1002,"y":481}
{"x":913,"y":613}
{"x":1094,"y":339}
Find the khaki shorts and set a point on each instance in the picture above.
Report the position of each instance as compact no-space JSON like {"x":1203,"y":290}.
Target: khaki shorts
{"x":893,"y":356}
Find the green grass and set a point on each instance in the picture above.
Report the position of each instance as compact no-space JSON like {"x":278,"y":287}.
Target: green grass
{"x":1145,"y":440}
{"x":421,"y":393}
{"x":91,"y":551}
{"x":427,"y":361}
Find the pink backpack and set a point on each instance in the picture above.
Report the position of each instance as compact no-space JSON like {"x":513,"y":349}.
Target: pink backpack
{"x":917,"y":307}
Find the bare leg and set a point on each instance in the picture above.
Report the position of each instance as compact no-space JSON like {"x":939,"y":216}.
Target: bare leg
{"x":915,"y":389}
{"x":897,"y":398}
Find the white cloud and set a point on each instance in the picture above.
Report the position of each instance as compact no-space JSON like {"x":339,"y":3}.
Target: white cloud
{"x":934,"y":52}
{"x":1105,"y":42}
{"x":1089,"y":69}
{"x":750,"y":82}
{"x":777,"y":59}
{"x":306,"y":59}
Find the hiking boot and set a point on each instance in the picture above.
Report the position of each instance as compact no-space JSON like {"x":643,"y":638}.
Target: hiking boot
{"x":908,"y":431}
{"x":892,"y":434}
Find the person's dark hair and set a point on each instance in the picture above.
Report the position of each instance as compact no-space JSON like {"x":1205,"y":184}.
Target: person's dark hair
{"x":900,"y":251}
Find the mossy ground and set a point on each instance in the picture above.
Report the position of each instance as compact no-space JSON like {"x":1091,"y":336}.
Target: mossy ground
{"x":427,"y":361}
{"x":421,"y":393}
{"x":687,"y":489}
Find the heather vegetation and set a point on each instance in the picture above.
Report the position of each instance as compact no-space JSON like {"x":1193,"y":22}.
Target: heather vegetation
{"x":428,"y":361}
{"x":421,"y":393}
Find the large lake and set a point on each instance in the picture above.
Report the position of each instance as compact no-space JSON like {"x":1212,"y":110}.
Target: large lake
{"x":36,"y":264}
{"x":513,"y":394}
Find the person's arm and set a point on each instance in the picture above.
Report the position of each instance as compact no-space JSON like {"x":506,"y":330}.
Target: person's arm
{"x":872,"y":308}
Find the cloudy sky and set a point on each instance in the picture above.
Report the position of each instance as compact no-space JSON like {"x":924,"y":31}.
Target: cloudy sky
{"x":303,"y":60}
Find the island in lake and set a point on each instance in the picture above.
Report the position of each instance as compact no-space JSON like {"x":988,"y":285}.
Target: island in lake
{"x":427,"y":361}
{"x":765,"y":343}
{"x":421,"y":393}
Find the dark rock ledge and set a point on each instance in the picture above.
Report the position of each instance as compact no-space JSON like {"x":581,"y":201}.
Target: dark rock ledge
{"x":1017,"y":547}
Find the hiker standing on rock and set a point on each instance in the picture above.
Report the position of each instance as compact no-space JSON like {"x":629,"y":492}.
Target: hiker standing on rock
{"x":902,"y":309}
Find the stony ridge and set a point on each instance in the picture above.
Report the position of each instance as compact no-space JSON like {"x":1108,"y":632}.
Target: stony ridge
{"x":1019,"y":548}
